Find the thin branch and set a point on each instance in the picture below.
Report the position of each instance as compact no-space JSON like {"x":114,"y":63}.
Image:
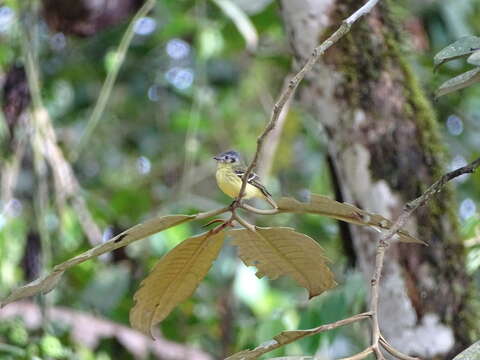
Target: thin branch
{"x":387,"y":237}
{"x":426,"y":196}
{"x":377,"y":352}
{"x":107,"y":87}
{"x":243,"y":222}
{"x":438,"y":185}
{"x":259,"y":211}
{"x":339,"y":323}
{"x":293,"y":83}
{"x":360,"y":355}
{"x":364,"y":10}
{"x":395,"y":352}
{"x":375,"y":290}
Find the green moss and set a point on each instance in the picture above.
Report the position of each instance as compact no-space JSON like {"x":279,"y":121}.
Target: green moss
{"x":361,"y":67}
{"x":419,"y":109}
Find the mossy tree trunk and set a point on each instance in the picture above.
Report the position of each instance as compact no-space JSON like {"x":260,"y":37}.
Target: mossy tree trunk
{"x":385,"y":149}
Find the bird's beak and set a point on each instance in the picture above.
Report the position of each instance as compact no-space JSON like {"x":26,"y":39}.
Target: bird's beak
{"x":216,"y":158}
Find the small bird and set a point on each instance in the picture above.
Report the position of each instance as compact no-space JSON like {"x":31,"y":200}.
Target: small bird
{"x":230,"y":174}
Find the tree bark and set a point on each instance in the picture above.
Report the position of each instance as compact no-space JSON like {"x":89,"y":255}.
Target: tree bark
{"x":385,"y":149}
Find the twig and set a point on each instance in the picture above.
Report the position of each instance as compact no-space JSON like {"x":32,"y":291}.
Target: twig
{"x":377,"y":352}
{"x":395,"y":352}
{"x":293,"y":83}
{"x":107,"y":87}
{"x":438,"y":185}
{"x":243,"y":222}
{"x":386,"y":239}
{"x":339,"y":323}
{"x":360,"y":355}
{"x":259,"y":211}
{"x":364,"y":10}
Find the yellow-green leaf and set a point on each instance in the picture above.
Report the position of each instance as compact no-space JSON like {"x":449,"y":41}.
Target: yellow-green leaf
{"x":325,"y":206}
{"x":282,"y":251}
{"x":174,"y":279}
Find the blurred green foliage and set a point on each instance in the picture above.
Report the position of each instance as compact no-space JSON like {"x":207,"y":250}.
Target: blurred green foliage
{"x":188,"y":89}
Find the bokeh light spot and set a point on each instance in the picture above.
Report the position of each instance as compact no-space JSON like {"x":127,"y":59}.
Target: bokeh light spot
{"x":454,"y":125}
{"x":7,"y":16}
{"x":143,"y":165}
{"x":58,"y":41}
{"x":177,"y":49}
{"x":467,"y":208}
{"x":107,"y":234}
{"x":153,"y":93}
{"x":181,"y":78}
{"x":145,"y":26}
{"x":14,"y":208}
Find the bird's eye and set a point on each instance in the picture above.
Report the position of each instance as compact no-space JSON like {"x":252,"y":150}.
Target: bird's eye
{"x":227,"y":158}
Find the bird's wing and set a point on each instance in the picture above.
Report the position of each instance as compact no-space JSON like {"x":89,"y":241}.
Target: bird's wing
{"x":253,"y":179}
{"x":252,"y":176}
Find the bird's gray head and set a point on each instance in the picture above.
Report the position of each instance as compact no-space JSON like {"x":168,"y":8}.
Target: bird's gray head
{"x":230,"y":156}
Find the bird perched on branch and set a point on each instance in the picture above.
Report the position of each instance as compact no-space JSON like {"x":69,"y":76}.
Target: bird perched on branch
{"x":230,"y":174}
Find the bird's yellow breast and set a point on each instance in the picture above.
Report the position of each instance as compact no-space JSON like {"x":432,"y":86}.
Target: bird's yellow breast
{"x":230,"y":183}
